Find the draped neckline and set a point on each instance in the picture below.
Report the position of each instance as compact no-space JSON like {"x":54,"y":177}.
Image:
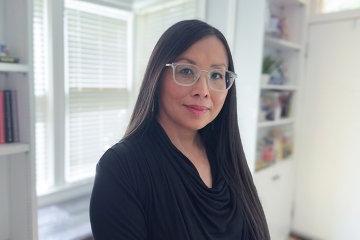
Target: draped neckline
{"x":160,"y":134}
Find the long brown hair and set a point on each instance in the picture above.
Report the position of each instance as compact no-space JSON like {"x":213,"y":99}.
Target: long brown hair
{"x":222,"y":134}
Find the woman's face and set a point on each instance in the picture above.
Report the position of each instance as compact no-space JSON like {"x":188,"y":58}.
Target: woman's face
{"x":193,"y":107}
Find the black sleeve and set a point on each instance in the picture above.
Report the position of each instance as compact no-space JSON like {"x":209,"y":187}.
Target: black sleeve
{"x":116,"y":211}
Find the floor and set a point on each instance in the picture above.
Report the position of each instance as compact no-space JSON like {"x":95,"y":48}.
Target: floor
{"x":65,"y":221}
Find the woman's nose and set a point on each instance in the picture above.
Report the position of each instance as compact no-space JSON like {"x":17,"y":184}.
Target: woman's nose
{"x":201,"y":87}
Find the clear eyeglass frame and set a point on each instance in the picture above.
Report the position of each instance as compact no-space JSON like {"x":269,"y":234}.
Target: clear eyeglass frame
{"x":196,"y":77}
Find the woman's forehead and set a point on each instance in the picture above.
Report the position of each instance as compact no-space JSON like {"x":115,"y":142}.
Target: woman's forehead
{"x":208,"y":51}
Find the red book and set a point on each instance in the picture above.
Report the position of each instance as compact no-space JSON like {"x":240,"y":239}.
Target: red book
{"x":2,"y":118}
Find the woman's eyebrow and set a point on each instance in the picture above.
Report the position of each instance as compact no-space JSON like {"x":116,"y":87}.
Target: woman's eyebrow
{"x":193,"y":62}
{"x":186,"y":59}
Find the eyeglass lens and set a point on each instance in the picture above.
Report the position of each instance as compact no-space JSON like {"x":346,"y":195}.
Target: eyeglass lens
{"x":186,"y":74}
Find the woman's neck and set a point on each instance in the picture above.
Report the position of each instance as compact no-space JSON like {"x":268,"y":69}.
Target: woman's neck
{"x":183,"y":138}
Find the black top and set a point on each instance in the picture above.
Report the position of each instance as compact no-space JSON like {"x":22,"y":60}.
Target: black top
{"x":145,"y":188}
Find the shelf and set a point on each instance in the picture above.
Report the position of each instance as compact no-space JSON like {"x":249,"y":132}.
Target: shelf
{"x":282,"y":44}
{"x":275,"y":123}
{"x":289,"y":2}
{"x":279,"y":87}
{"x":14,"y":67}
{"x":260,"y":166}
{"x":13,"y":148}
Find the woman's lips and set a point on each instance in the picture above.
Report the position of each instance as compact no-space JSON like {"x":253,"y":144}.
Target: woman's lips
{"x":197,"y":109}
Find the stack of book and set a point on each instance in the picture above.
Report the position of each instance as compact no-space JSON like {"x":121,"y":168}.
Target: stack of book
{"x":9,"y":124}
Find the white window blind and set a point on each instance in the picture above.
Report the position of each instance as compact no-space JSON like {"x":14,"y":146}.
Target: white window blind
{"x":153,"y":20}
{"x":98,"y":83}
{"x":44,"y":160}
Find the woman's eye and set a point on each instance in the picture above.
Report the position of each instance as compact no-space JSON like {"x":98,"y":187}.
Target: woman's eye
{"x":186,"y":71}
{"x":216,"y":75}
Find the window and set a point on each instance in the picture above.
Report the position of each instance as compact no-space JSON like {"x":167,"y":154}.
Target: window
{"x":154,"y":19}
{"x":98,"y":80}
{"x":98,"y":85}
{"x":328,"y":6}
{"x":44,"y":161}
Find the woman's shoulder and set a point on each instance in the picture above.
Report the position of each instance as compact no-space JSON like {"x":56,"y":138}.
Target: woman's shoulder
{"x":124,"y":164}
{"x":127,"y":153}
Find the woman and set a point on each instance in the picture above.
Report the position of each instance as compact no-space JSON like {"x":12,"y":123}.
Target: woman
{"x":180,"y":171}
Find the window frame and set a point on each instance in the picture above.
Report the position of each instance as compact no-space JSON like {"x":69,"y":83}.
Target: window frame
{"x":316,"y":16}
{"x":58,"y":101}
{"x":57,"y":93}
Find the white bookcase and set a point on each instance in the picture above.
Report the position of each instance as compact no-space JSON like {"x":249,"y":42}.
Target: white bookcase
{"x":17,"y":164}
{"x":275,"y":134}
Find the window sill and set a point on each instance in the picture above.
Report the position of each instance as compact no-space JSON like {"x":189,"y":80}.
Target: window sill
{"x":68,"y":192}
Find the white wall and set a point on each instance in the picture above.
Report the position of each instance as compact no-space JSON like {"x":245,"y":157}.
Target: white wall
{"x":242,"y":23}
{"x":328,"y":194}
{"x":222,"y":15}
{"x":248,"y":47}
{"x":1,"y":20}
{"x":4,"y":198}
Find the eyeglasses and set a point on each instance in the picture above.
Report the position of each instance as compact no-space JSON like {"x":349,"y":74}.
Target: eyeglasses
{"x":186,"y":74}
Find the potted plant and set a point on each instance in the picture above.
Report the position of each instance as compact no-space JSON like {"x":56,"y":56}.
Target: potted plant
{"x":268,"y":67}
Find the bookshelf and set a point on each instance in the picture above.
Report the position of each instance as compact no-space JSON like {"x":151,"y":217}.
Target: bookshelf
{"x":17,"y":161}
{"x":13,"y":67}
{"x":282,"y":44}
{"x":279,"y":87}
{"x":13,"y":148}
{"x":289,"y":2}
{"x":275,"y":123}
{"x":275,"y":147}
{"x":278,"y":94}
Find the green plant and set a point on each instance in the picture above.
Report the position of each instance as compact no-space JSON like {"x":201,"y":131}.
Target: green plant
{"x":270,"y":64}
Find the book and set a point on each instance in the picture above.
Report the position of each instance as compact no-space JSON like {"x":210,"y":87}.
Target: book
{"x":15,"y":116}
{"x":2,"y":118}
{"x":9,"y":134}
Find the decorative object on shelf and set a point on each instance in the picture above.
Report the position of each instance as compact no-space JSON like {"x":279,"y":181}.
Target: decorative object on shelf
{"x":274,"y":146}
{"x":273,"y":27}
{"x":277,"y":27}
{"x":269,"y":65}
{"x":265,"y":153}
{"x":274,"y":105}
{"x":278,"y":77}
{"x":284,"y":30}
{"x":270,"y":108}
{"x":5,"y":56}
{"x":285,"y":102}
